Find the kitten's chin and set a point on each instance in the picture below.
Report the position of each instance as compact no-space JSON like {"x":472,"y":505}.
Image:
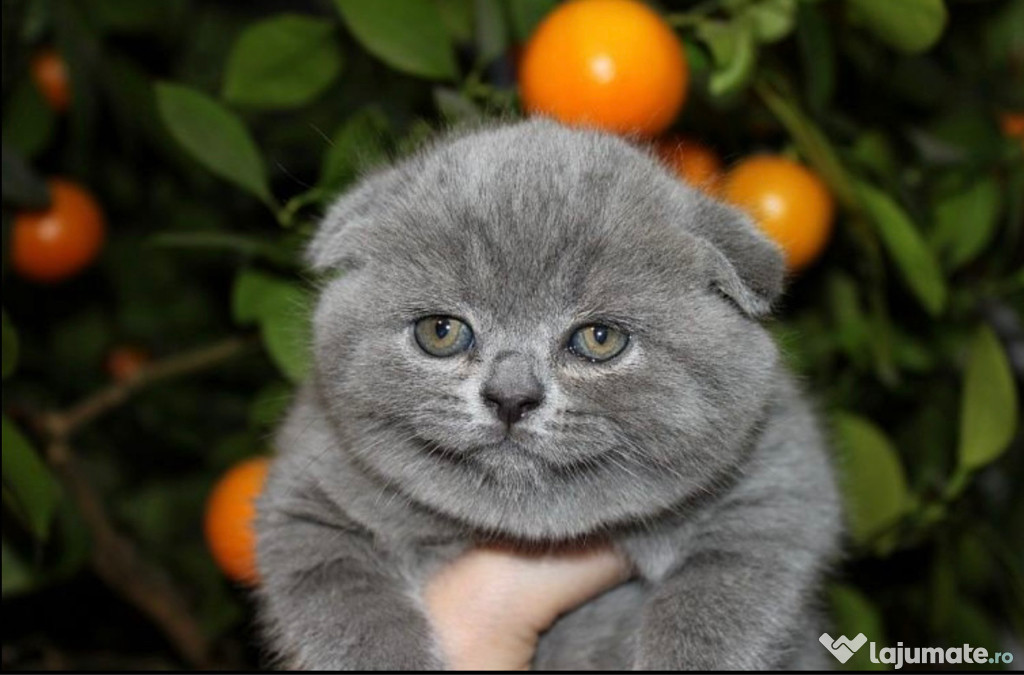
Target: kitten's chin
{"x":508,"y":456}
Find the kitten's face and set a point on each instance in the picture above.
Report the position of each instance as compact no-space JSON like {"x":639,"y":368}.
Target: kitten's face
{"x":529,"y":341}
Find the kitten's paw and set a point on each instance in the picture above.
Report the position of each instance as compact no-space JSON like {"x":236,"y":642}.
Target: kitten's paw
{"x":693,"y":657}
{"x":382,"y":650}
{"x":378,"y":657}
{"x":677,"y":650}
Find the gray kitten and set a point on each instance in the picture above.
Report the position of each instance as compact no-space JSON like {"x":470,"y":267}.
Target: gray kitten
{"x":540,"y":337}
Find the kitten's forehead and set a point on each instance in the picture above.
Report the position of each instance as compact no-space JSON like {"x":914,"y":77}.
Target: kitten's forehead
{"x":553,"y":216}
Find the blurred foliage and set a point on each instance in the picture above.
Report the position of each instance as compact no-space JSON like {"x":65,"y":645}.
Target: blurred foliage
{"x":214,"y":133}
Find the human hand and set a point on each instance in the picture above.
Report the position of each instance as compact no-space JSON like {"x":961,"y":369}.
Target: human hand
{"x":489,"y":606}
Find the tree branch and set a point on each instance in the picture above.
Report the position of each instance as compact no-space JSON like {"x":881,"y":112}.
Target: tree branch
{"x":115,"y":558}
{"x":116,"y":561}
{"x":63,"y":424}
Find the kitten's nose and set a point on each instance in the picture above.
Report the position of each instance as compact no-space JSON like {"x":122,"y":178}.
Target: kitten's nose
{"x":511,"y":409}
{"x":511,"y":389}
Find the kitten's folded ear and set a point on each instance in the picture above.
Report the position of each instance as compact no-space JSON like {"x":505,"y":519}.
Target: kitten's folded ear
{"x":339,"y":234}
{"x":744,"y":263}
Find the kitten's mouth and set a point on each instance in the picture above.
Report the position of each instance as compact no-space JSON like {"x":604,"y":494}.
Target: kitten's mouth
{"x":488,"y":435}
{"x":495,"y":444}
{"x":525,"y":449}
{"x":491,"y":445}
{"x":510,"y":443}
{"x":513,"y":451}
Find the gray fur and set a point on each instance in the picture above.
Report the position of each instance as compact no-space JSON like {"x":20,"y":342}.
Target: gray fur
{"x":693,"y":451}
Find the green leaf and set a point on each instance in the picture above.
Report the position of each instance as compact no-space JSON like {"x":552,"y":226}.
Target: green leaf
{"x":457,"y":16}
{"x":241,"y":244}
{"x":526,"y":14}
{"x":282,"y":62}
{"x":28,"y":120}
{"x":454,"y":106}
{"x":988,"y":409}
{"x":916,"y":262}
{"x":270,"y":404}
{"x":21,"y":186}
{"x":18,"y":577}
{"x":910,"y":26}
{"x":416,"y":136}
{"x":733,"y":46}
{"x":10,"y":346}
{"x":912,"y":353}
{"x":772,"y":19}
{"x":872,"y":150}
{"x":288,"y":333}
{"x":214,"y":136}
{"x":811,"y":141}
{"x":697,"y":57}
{"x":27,"y":482}
{"x":408,"y":35}
{"x":817,"y":55}
{"x":853,"y":613}
{"x":966,"y":221}
{"x":252,"y":291}
{"x":355,"y":147}
{"x":871,"y":476}
{"x":283,"y":310}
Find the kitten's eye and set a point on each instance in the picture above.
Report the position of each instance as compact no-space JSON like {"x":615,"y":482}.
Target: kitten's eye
{"x":598,"y":342}
{"x":443,"y":335}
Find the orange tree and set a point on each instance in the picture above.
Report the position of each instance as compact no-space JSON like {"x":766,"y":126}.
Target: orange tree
{"x":211,"y":134}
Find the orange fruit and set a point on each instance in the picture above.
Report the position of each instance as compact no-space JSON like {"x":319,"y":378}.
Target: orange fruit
{"x":694,"y":162}
{"x":1012,"y":124}
{"x":790,"y":203}
{"x":228,"y":523}
{"x":50,"y":73}
{"x":609,"y":64}
{"x":125,"y":362}
{"x":57,"y":242}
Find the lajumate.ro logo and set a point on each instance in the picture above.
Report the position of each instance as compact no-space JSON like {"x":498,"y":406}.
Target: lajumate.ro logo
{"x":843,"y":648}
